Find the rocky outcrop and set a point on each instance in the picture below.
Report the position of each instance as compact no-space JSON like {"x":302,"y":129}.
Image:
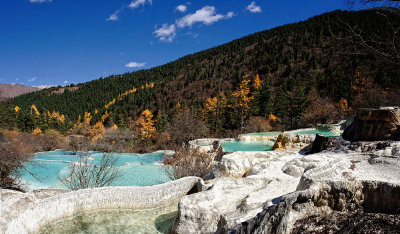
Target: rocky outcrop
{"x":237,"y":199}
{"x":322,"y":143}
{"x":284,"y":187}
{"x":292,"y":140}
{"x":43,"y":211}
{"x":207,"y":144}
{"x":374,"y":125}
{"x":320,"y":200}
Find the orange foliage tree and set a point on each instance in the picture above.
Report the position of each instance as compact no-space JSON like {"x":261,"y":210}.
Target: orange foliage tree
{"x":243,"y":97}
{"x":97,"y":131}
{"x":212,"y":111}
{"x":146,"y":124}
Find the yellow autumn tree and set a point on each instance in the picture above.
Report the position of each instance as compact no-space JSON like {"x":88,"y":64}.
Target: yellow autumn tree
{"x":212,"y":111}
{"x":34,"y":111}
{"x":105,"y":116}
{"x":243,"y":97}
{"x":257,"y":83}
{"x":87,"y":118}
{"x":97,"y":131}
{"x":146,"y":124}
{"x":272,"y":118}
{"x":37,"y":131}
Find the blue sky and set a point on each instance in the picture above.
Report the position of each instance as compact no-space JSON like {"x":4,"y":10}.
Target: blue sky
{"x":58,"y":42}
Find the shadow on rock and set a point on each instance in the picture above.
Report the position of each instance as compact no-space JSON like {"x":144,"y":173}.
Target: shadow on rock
{"x":165,"y":221}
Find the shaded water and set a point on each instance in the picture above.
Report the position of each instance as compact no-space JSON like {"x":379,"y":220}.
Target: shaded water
{"x":157,"y":220}
{"x":136,"y":169}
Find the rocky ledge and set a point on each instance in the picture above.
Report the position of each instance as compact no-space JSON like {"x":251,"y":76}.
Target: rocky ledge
{"x":270,"y":192}
{"x":375,"y":124}
{"x":27,"y":212}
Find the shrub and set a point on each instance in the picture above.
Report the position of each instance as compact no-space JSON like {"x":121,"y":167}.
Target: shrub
{"x":16,"y":148}
{"x":189,"y":162}
{"x":113,"y":140}
{"x":257,"y":124}
{"x":50,"y":140}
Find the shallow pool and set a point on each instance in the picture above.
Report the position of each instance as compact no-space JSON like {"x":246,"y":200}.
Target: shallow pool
{"x":136,"y":169}
{"x":322,"y":132}
{"x":273,"y":134}
{"x":157,"y":220}
{"x":232,"y":146}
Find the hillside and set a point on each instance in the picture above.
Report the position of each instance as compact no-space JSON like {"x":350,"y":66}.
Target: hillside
{"x":13,"y":90}
{"x":304,"y":67}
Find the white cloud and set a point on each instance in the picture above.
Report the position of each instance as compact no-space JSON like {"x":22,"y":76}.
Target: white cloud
{"x":32,"y":80}
{"x":114,"y":16}
{"x":137,"y":3}
{"x":206,"y":15}
{"x":230,"y":14}
{"x":44,"y":86}
{"x":182,"y":8}
{"x":253,"y":8}
{"x":166,"y":32}
{"x":135,"y":65}
{"x":65,"y":81}
{"x":134,"y":4}
{"x":40,"y":1}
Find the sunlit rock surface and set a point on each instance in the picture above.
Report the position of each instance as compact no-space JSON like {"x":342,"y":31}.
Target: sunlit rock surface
{"x":38,"y":210}
{"x":14,"y":203}
{"x":278,"y":188}
{"x":262,"y":136}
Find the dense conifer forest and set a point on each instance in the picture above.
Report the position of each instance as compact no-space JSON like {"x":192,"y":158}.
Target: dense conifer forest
{"x":294,"y":76}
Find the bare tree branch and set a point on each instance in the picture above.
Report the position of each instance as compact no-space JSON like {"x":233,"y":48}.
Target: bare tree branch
{"x":85,"y":174}
{"x":385,"y":42}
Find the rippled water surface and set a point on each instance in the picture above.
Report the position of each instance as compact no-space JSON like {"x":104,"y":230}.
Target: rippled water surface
{"x":136,"y":169}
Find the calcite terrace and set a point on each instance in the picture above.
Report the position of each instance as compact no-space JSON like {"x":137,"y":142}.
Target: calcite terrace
{"x":27,"y":212}
{"x":266,"y":192}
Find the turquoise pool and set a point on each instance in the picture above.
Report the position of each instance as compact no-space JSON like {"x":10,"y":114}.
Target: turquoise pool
{"x":136,"y":169}
{"x":273,"y":134}
{"x":322,"y":132}
{"x":232,"y":146}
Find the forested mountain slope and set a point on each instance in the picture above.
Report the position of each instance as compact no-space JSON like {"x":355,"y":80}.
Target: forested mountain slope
{"x":298,"y":64}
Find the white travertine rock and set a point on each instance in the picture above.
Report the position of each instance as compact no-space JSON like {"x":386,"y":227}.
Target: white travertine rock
{"x":68,"y":204}
{"x":237,"y":198}
{"x":273,"y":175}
{"x":247,"y":137}
{"x":237,"y":164}
{"x":206,"y":144}
{"x":14,"y":203}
